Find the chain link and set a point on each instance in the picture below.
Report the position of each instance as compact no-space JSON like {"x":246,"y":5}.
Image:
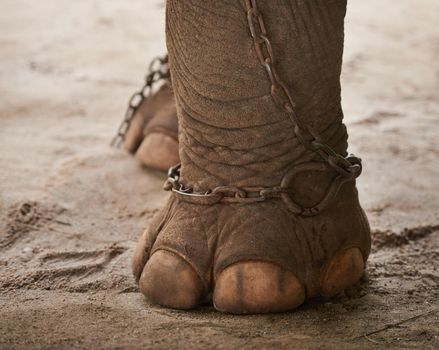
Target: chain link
{"x":158,"y":71}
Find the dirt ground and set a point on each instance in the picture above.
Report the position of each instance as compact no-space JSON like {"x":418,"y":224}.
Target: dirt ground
{"x":71,"y":207}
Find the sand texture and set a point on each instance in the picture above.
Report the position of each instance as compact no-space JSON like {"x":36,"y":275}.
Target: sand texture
{"x":71,"y":207}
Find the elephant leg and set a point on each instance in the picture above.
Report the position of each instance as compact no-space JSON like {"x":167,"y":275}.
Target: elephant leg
{"x":265,"y":212}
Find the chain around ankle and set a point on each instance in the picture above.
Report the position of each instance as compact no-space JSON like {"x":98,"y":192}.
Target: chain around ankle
{"x":348,"y":168}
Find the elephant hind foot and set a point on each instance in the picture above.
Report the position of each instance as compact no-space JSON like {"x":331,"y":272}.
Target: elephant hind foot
{"x":158,"y":150}
{"x":152,"y":134}
{"x":257,"y":287}
{"x":170,"y":281}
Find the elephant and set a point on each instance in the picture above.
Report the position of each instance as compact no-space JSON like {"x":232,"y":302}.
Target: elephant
{"x":263,"y":212}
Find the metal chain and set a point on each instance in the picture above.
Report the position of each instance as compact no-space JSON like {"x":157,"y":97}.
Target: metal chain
{"x":247,"y":195}
{"x":158,"y":71}
{"x":345,"y":166}
{"x":224,"y":194}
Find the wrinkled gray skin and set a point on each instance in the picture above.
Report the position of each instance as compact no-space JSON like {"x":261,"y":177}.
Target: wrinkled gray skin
{"x":224,"y":92}
{"x":232,"y":133}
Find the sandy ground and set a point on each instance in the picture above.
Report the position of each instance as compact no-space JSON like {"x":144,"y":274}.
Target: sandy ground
{"x":71,"y":207}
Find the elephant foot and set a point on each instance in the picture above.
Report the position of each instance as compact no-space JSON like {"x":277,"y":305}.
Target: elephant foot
{"x":158,"y":150}
{"x":264,"y":211}
{"x":244,"y":288}
{"x":152,"y":136}
{"x":255,"y":258}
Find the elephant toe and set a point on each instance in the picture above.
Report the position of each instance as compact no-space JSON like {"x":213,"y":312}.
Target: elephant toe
{"x":169,"y":281}
{"x":343,"y":271}
{"x":257,"y":287}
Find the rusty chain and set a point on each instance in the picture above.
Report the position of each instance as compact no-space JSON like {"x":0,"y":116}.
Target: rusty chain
{"x":348,"y":167}
{"x":224,"y":194}
{"x":158,"y":71}
{"x":345,"y":166}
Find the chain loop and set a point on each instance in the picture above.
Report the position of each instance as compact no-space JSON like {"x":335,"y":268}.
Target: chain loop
{"x":227,"y":194}
{"x":158,"y":71}
{"x":249,"y":195}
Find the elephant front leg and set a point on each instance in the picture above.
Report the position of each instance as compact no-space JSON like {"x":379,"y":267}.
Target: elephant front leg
{"x":264,"y":212}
